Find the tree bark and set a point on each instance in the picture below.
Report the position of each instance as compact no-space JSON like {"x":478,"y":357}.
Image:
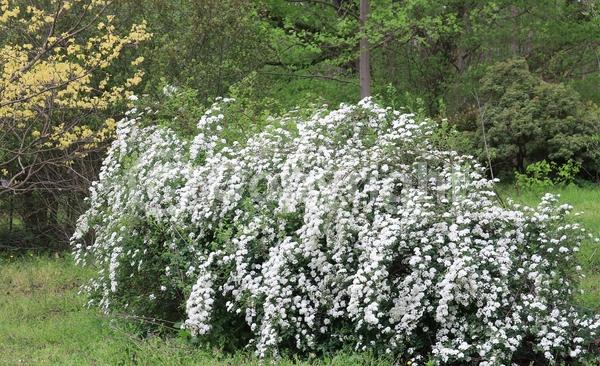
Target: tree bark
{"x":364,"y":68}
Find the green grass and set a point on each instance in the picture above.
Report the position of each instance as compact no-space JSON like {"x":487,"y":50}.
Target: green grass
{"x":43,"y":320}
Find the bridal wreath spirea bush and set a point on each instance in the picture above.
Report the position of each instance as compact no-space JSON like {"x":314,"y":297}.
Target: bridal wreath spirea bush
{"x":344,"y":228}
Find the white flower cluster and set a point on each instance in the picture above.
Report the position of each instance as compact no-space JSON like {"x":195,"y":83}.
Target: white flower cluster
{"x":345,"y":228}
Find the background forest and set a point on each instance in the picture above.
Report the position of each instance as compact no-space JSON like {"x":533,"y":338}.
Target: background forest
{"x":513,"y":83}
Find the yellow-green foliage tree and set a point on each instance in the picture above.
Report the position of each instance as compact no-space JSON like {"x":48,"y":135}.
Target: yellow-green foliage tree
{"x":64,"y":68}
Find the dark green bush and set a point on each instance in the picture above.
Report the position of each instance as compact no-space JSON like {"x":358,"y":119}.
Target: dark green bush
{"x":528,"y":120}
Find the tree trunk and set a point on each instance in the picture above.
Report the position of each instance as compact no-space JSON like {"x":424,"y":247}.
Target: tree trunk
{"x":364,"y":68}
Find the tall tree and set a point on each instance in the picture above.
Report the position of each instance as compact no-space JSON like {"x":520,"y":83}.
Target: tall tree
{"x":364,"y":62}
{"x":59,"y":91}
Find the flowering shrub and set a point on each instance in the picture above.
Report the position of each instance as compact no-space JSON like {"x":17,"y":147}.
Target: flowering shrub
{"x":345,"y":228}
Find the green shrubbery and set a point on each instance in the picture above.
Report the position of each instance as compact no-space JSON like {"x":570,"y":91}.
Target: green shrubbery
{"x":545,"y":174}
{"x":527,"y":121}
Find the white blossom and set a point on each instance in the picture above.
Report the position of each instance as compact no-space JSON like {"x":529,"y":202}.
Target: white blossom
{"x":350,"y":225}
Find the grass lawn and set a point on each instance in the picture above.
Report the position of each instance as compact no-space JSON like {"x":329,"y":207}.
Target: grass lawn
{"x":43,"y":320}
